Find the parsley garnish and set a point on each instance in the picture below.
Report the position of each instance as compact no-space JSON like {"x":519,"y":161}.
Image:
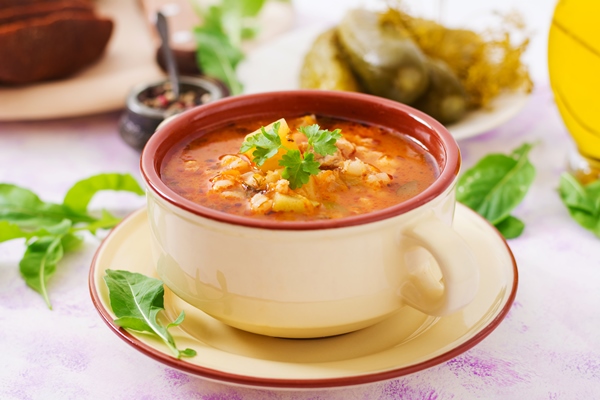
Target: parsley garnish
{"x":323,"y":141}
{"x":265,"y":142}
{"x":298,"y":167}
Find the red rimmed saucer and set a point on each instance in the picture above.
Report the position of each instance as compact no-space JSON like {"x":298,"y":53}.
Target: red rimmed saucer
{"x":403,"y":344}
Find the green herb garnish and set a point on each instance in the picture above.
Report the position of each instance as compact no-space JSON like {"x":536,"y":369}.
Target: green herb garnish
{"x":266,"y":144}
{"x":136,"y":300}
{"x":52,"y":229}
{"x":495,"y":186}
{"x":582,"y":201}
{"x":219,"y":38}
{"x":298,"y":167}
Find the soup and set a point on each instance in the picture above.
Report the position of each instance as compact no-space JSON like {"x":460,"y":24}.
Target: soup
{"x":299,"y":169}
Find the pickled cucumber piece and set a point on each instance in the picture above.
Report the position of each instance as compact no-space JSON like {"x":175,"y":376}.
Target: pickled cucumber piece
{"x":445,"y":98}
{"x":387,"y":63}
{"x":485,"y":63}
{"x":325,"y":67}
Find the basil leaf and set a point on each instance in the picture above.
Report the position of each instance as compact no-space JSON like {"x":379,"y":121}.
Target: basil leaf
{"x":39,"y":263}
{"x":582,"y":202}
{"x":136,"y":300}
{"x":81,"y":193}
{"x":510,"y":227}
{"x":497,"y":184}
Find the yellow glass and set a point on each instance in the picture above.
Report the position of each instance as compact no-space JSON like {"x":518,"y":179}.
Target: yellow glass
{"x":574,"y":68}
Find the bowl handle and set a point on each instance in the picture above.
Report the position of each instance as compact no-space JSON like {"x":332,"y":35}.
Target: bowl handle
{"x":457,"y":263}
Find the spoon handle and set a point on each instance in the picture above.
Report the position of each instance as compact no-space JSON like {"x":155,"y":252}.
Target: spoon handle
{"x":163,"y":31}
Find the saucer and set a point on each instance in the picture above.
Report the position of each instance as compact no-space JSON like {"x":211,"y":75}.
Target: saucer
{"x":406,"y":342}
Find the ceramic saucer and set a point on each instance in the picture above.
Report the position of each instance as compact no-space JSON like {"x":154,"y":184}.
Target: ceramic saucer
{"x":407,"y":342}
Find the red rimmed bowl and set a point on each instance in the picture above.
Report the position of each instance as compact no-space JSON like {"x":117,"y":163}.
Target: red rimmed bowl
{"x":315,"y":278}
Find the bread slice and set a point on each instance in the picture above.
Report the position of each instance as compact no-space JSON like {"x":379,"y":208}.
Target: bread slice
{"x":51,"y":47}
{"x":25,"y":11}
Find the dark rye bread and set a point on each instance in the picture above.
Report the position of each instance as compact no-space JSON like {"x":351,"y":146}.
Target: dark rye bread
{"x":25,"y":11}
{"x":51,"y":47}
{"x":12,"y":3}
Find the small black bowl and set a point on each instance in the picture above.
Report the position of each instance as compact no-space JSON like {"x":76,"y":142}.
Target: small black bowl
{"x":139,"y":121}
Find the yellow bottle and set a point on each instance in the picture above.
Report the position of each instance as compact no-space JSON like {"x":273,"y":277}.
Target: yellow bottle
{"x":574,"y":69}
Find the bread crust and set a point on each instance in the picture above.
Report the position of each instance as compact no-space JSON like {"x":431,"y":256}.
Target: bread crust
{"x":52,"y":46}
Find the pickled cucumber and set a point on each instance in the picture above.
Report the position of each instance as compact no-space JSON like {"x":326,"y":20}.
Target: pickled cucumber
{"x":325,"y":67}
{"x":387,"y":63}
{"x":445,"y":98}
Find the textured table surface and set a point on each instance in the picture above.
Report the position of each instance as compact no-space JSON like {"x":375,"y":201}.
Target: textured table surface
{"x":547,"y":347}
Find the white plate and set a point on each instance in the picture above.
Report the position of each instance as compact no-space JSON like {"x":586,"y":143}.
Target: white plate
{"x":407,"y":342}
{"x":276,"y":66}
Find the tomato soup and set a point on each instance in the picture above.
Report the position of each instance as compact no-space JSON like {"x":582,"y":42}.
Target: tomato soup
{"x":370,"y":168}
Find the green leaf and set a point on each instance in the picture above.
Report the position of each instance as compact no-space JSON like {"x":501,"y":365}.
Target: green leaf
{"x":25,"y":209}
{"x":107,"y":221}
{"x":266,"y":144}
{"x":10,"y":230}
{"x":39,"y":263}
{"x":82,"y":192}
{"x":497,"y":184}
{"x":321,"y":140}
{"x":218,"y":57}
{"x":251,"y":8}
{"x":136,"y":300}
{"x":510,"y":227}
{"x":297,"y":169}
{"x":71,"y":242}
{"x":582,"y":202}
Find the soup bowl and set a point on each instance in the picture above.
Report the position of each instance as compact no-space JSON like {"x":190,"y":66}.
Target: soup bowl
{"x":303,"y":279}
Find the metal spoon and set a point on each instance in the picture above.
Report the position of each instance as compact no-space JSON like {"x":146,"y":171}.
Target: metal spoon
{"x":163,"y":31}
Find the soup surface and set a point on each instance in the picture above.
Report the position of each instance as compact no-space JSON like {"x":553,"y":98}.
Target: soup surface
{"x":370,"y":168}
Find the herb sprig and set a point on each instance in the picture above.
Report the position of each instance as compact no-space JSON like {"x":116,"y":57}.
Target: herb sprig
{"x":225,"y":25}
{"x":496,"y":185}
{"x":298,"y":167}
{"x":51,"y":229}
{"x":136,"y":300}
{"x":582,"y":201}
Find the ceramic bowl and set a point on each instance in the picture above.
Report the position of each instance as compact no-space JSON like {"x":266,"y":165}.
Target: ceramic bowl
{"x":317,"y":278}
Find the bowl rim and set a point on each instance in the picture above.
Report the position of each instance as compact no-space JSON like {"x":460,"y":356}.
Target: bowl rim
{"x":150,"y":165}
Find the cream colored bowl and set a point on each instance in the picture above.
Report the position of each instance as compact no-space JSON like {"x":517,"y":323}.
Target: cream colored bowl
{"x":319,"y":278}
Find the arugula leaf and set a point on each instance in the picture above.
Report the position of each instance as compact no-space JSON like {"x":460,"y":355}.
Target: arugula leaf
{"x":10,"y":231}
{"x":266,"y":144}
{"x":582,"y":202}
{"x":510,"y":227}
{"x":39,"y":263}
{"x":51,"y":229}
{"x":81,"y":193}
{"x":136,"y":300}
{"x":24,"y":208}
{"x":297,"y":169}
{"x":496,"y":185}
{"x":322,"y":141}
